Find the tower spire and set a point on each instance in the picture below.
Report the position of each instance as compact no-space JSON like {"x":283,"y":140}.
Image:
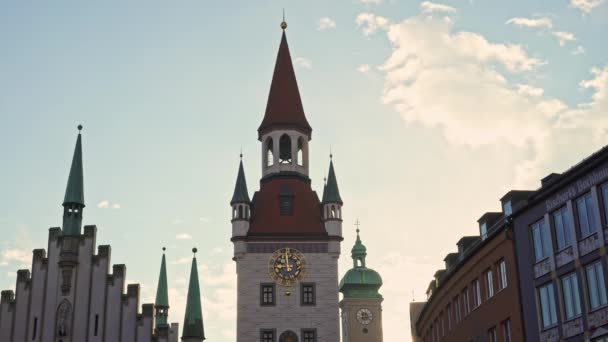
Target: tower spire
{"x":284,"y":108}
{"x":162,"y":296}
{"x":240,"y":195}
{"x":331,"y":193}
{"x":193,"y":321}
{"x":73,"y":202}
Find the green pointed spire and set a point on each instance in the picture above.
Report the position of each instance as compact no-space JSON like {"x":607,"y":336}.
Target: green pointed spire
{"x":74,"y":193}
{"x":331,"y":193}
{"x":193,"y":320}
{"x":162,"y":296}
{"x":241,"y":195}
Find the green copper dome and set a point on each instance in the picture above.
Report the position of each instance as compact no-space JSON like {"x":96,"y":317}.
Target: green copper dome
{"x":360,"y":281}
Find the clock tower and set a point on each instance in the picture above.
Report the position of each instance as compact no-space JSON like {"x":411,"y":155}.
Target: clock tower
{"x":286,"y":240}
{"x":362,"y":303}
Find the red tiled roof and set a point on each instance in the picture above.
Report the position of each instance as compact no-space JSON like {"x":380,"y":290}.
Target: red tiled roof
{"x":306,"y":219}
{"x":284,"y":107}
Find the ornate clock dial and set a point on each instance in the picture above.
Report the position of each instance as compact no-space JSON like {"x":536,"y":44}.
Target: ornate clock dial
{"x":365,"y":316}
{"x":287,"y":266}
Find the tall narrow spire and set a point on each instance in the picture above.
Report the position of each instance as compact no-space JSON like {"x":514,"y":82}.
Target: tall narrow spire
{"x":240,"y":195}
{"x":73,"y":202}
{"x":193,"y":321}
{"x":331,"y":193}
{"x":284,"y":109}
{"x":162,"y":296}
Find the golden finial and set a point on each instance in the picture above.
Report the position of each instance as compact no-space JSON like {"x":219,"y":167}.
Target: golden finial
{"x":284,"y":24}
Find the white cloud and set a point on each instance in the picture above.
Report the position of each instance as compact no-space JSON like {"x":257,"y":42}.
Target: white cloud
{"x":371,"y":2}
{"x":183,"y":236}
{"x":204,"y":220}
{"x":563,"y":37}
{"x":326,"y":23}
{"x":585,"y":6}
{"x":578,"y":51}
{"x":12,"y":254}
{"x":529,"y":90}
{"x":303,"y":62}
{"x":363,"y":68}
{"x":105,"y":204}
{"x":371,"y":23}
{"x":182,"y":261}
{"x":177,"y":221}
{"x":430,"y":7}
{"x":543,"y":22}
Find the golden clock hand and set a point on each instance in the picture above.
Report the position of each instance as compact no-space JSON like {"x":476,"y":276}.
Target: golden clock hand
{"x":287,"y":262}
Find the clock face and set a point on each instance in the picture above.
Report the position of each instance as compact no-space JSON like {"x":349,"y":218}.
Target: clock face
{"x":364,"y":316}
{"x":287,"y":266}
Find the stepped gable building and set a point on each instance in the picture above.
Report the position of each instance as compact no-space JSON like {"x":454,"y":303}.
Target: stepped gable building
{"x":71,"y":296}
{"x":286,"y":241}
{"x":476,"y":296}
{"x":362,"y":303}
{"x":561,"y":234}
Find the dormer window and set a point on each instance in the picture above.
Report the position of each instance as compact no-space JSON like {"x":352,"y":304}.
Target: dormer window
{"x":483,"y":230}
{"x":507,"y":209}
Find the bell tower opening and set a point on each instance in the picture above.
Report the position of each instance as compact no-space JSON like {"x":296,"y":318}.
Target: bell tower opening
{"x":285,"y":149}
{"x":269,"y":155}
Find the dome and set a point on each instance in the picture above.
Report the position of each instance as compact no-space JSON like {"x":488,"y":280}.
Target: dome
{"x":361,"y":282}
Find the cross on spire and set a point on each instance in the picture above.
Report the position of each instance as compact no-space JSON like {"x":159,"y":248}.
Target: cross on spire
{"x":357,"y":224}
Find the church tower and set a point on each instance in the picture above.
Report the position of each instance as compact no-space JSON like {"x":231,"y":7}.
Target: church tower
{"x":362,"y":303}
{"x":286,"y":241}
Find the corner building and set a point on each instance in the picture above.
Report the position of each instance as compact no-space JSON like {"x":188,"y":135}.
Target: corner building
{"x":561,"y":235}
{"x":476,"y":296}
{"x":286,"y":241}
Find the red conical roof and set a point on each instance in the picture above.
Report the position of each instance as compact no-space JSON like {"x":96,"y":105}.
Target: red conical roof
{"x":284,"y":109}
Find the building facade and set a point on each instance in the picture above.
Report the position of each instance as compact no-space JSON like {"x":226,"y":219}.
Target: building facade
{"x":560,"y":233}
{"x":74,"y":294}
{"x":476,"y":297}
{"x":286,"y":241}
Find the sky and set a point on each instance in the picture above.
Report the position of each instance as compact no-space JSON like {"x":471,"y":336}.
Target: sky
{"x":433,"y":111}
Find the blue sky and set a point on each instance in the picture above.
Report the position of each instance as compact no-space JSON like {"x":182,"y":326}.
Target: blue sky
{"x":429,"y":107}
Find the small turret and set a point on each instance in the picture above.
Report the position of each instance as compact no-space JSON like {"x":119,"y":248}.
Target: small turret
{"x":332,"y":209}
{"x":241,"y":212}
{"x":161,"y":305}
{"x":193,"y":330}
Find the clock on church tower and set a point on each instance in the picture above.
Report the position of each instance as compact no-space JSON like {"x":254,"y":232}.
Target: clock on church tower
{"x":286,"y":240}
{"x":362,"y":304}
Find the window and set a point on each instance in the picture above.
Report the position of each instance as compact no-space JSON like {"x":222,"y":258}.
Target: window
{"x":586,"y":217}
{"x":483,"y":230}
{"x":448,"y":311}
{"x":572,"y":301}
{"x":506,"y":331}
{"x":96,"y":325}
{"x":35,"y":328}
{"x":502,"y":274}
{"x":309,"y":335}
{"x":492,"y":335}
{"x":542,"y":240}
{"x":489,"y":284}
{"x":605,"y":197}
{"x":596,"y":285}
{"x":267,"y":335}
{"x":476,"y":294}
{"x":267,"y":294}
{"x":286,"y":205}
{"x":561,"y":221}
{"x":507,"y":209}
{"x":547,"y":303}
{"x":269,"y":152}
{"x":465,"y":301}
{"x":456,"y":310}
{"x":442,"y":319}
{"x":308,"y":294}
{"x":285,"y":149}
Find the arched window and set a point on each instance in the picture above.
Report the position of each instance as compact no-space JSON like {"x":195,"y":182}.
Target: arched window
{"x":241,"y":212}
{"x":333,"y":211}
{"x":269,"y":152}
{"x":285,"y":149}
{"x":300,"y":151}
